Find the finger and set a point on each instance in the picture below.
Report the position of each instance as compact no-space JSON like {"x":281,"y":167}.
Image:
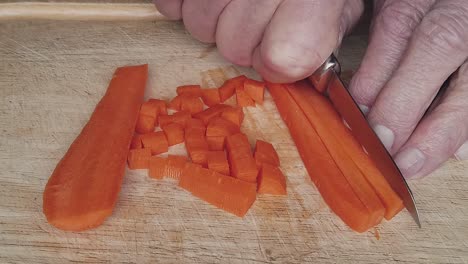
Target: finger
{"x":241,"y":26}
{"x":392,"y":27}
{"x":171,"y":9}
{"x":351,"y":13}
{"x":462,"y":152}
{"x":298,"y":39}
{"x":440,"y":134}
{"x":201,"y":16}
{"x":435,"y":51}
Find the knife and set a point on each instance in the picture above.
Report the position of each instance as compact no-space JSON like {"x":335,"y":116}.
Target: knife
{"x":327,"y":81}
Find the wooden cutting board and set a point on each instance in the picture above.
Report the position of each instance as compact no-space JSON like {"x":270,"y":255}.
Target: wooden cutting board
{"x":52,"y":73}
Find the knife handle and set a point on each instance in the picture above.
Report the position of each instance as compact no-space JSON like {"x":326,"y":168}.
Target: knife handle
{"x":322,"y":76}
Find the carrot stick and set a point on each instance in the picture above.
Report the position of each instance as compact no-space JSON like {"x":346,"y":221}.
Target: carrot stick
{"x":138,"y":158}
{"x":174,"y":133}
{"x":234,"y":114}
{"x":192,"y":90}
{"x":255,"y":90}
{"x":271,"y":180}
{"x":227,"y":193}
{"x":322,"y":169}
{"x":211,"y":96}
{"x":323,"y":108}
{"x":229,"y":87}
{"x":209,"y":113}
{"x":156,"y":141}
{"x":83,"y":189}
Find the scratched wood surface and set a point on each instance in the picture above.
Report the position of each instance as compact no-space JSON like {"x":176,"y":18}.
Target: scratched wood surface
{"x":51,"y":76}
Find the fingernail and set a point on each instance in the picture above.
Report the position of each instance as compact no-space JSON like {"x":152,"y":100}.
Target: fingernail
{"x":364,"y":109}
{"x":410,"y":161}
{"x":385,"y":134}
{"x":462,"y":152}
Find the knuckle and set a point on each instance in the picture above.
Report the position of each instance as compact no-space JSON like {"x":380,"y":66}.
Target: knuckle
{"x":399,"y":18}
{"x":235,"y":53}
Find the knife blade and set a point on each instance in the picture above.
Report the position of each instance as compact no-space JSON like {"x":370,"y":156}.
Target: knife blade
{"x":326,"y":80}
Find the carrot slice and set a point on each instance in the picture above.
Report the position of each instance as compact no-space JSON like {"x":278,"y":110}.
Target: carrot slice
{"x":157,"y":167}
{"x":218,"y":162}
{"x":265,"y":153}
{"x":215,"y":143}
{"x":330,"y":119}
{"x":83,"y":189}
{"x":191,"y":104}
{"x":322,"y":169}
{"x":234,"y":114}
{"x":175,"y":166}
{"x":255,"y":90}
{"x":192,"y":90}
{"x":138,"y":158}
{"x":174,"y":133}
{"x":229,"y":87}
{"x":175,"y":103}
{"x":156,"y":141}
{"x":211,"y":96}
{"x":243,"y":99}
{"x":271,"y":180}
{"x":160,"y":105}
{"x":136,"y":142}
{"x":227,"y":193}
{"x":179,"y":118}
{"x":145,"y":124}
{"x":221,"y":127}
{"x":209,"y":113}
{"x":244,"y":168}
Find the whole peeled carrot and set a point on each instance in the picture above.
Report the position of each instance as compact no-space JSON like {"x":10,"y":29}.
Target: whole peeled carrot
{"x":83,"y":189}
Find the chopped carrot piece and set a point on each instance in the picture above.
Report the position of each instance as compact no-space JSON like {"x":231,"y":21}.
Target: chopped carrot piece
{"x":239,"y":153}
{"x":209,"y":113}
{"x":218,"y":162}
{"x":149,"y":109}
{"x":175,"y":103}
{"x":157,"y":167}
{"x":221,"y":127}
{"x":255,"y":90}
{"x":211,"y":96}
{"x":215,"y":143}
{"x":145,"y":124}
{"x":229,"y":87}
{"x":160,"y":105}
{"x":179,"y":118}
{"x":136,"y":142}
{"x":245,"y":169}
{"x":174,"y":133}
{"x":196,"y":145}
{"x":227,"y":193}
{"x":191,"y":104}
{"x":237,"y":140}
{"x":265,"y":153}
{"x":175,"y":166}
{"x":156,"y":141}
{"x":195,"y":123}
{"x":138,"y":158}
{"x":192,"y":90}
{"x":271,"y":180}
{"x":243,"y":99}
{"x":234,"y":114}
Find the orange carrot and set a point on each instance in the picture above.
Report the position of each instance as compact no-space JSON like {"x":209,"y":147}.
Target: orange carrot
{"x":271,"y":180}
{"x":244,"y":168}
{"x":192,"y":90}
{"x":331,"y":120}
{"x":195,"y":123}
{"x":218,"y":162}
{"x":211,"y":96}
{"x":83,"y":189}
{"x":174,"y":133}
{"x":243,"y":99}
{"x":229,"y":87}
{"x":160,"y":105}
{"x":157,"y":167}
{"x":191,"y":104}
{"x":265,"y":153}
{"x":139,"y":158}
{"x":221,"y":127}
{"x":196,"y":145}
{"x":179,"y":118}
{"x":136,"y":142}
{"x":175,"y":166}
{"x":237,"y":141}
{"x":322,"y":169}
{"x":209,"y":113}
{"x":145,"y":124}
{"x":227,"y":193}
{"x":156,"y":141}
{"x":255,"y":90}
{"x":215,"y":143}
{"x":175,"y":103}
{"x":234,"y":114}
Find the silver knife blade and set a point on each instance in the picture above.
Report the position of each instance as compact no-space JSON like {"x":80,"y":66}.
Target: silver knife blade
{"x":365,"y":135}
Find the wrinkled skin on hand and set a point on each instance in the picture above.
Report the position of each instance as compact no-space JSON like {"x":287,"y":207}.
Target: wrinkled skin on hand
{"x":415,"y":45}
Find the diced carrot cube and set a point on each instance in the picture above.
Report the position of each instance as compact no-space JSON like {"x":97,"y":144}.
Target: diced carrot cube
{"x":218,"y":162}
{"x":229,"y":87}
{"x":211,"y":96}
{"x":236,"y":141}
{"x":266,"y":153}
{"x":255,"y":90}
{"x":243,"y":99}
{"x":136,"y":142}
{"x":157,"y":167}
{"x":191,"y":104}
{"x":156,"y":141}
{"x":149,"y":109}
{"x":244,"y":169}
{"x":160,"y":105}
{"x":235,"y":115}
{"x":271,"y":180}
{"x":179,"y":117}
{"x":145,"y":124}
{"x":216,"y":143}
{"x":192,"y":90}
{"x":138,"y":158}
{"x":195,"y":123}
{"x":175,"y":103}
{"x":209,"y":113}
{"x":175,"y":165}
{"x":174,"y":133}
{"x":221,"y":127}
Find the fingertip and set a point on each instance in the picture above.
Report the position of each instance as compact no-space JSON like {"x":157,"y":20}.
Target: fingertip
{"x":172,"y":9}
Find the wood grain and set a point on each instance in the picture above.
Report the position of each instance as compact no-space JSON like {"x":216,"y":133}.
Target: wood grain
{"x":51,"y":76}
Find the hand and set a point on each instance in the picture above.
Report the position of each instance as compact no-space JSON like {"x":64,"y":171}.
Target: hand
{"x":415,"y":45}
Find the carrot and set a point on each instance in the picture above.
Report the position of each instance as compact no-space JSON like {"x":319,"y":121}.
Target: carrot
{"x":174,"y":133}
{"x":218,"y":162}
{"x":160,"y":105}
{"x":234,"y":114}
{"x":265,"y":153}
{"x":157,"y":167}
{"x":323,"y":109}
{"x":191,"y":104}
{"x":229,"y":87}
{"x":195,"y":123}
{"x":271,"y":180}
{"x":209,"y":113}
{"x":255,"y":90}
{"x":244,"y":169}
{"x":210,"y":96}
{"x":322,"y":169}
{"x":175,"y":103}
{"x":237,"y":141}
{"x":227,"y":193}
{"x":175,"y":166}
{"x":139,"y":158}
{"x":179,"y":118}
{"x":145,"y":124}
{"x":221,"y":127}
{"x":156,"y":141}
{"x":83,"y":189}
{"x":243,"y":99}
{"x":216,"y":142}
{"x":197,"y":146}
{"x":192,"y":90}
{"x":136,"y":142}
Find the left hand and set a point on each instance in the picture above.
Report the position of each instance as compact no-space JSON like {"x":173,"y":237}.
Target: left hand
{"x":415,"y":45}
